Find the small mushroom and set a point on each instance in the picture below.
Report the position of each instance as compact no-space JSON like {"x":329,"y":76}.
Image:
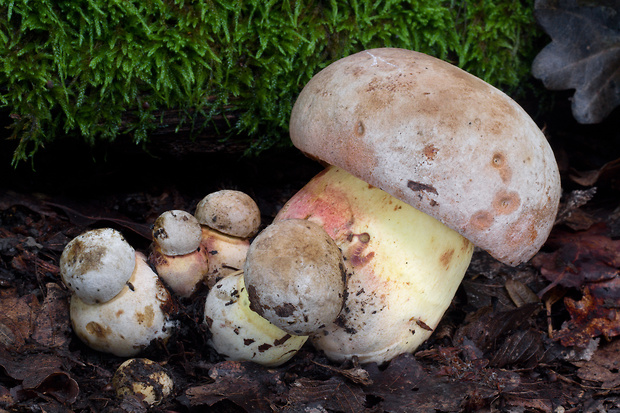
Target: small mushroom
{"x":231,"y":212}
{"x":238,"y":333}
{"x":142,"y":378}
{"x":125,"y":325}
{"x":229,"y":219}
{"x":97,"y":264}
{"x":427,"y":160}
{"x":177,"y":254}
{"x":295,"y":276}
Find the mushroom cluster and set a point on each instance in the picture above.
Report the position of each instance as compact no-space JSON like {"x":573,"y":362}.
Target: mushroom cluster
{"x":423,"y":161}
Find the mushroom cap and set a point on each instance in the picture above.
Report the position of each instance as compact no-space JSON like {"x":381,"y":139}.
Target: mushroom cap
{"x":127,"y":324}
{"x":144,"y":378}
{"x":177,"y":232}
{"x":231,"y":212}
{"x":96,"y":264}
{"x":238,"y":333}
{"x":295,"y":276}
{"x":439,"y":139}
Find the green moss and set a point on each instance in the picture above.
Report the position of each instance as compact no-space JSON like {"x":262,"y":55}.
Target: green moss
{"x":101,"y":69}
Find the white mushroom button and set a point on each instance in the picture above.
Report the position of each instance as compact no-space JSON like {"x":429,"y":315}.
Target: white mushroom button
{"x":454,"y":156}
{"x":295,"y":276}
{"x":140,"y":314}
{"x":96,"y":265}
{"x":143,"y":378}
{"x":238,"y":333}
{"x":177,"y":254}
{"x":177,"y":232}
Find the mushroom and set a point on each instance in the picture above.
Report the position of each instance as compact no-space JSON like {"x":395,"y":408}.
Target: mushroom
{"x":177,"y":254}
{"x":238,"y":333}
{"x":142,"y":378}
{"x":97,"y":264}
{"x":128,"y":323}
{"x":426,"y":160}
{"x":229,"y":219}
{"x":295,"y":276}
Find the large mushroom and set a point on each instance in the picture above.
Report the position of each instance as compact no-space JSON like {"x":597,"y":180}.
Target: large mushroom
{"x":426,"y":160}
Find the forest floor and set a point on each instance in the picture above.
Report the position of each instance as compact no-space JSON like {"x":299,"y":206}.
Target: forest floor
{"x":538,"y":337}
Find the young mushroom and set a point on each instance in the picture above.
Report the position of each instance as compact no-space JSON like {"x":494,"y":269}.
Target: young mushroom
{"x":229,"y":219}
{"x":295,"y":276}
{"x":177,"y":254}
{"x":238,"y":333}
{"x":427,"y":160}
{"x":144,"y":379}
{"x":128,"y":323}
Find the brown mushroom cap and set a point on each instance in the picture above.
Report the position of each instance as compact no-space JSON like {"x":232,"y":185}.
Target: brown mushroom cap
{"x":232,"y":212}
{"x":295,"y":276}
{"x":438,"y":138}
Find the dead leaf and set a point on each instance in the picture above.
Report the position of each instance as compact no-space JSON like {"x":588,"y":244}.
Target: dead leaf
{"x":333,"y":394}
{"x":588,"y":178}
{"x":486,"y":327}
{"x":52,"y":326}
{"x":520,"y":293}
{"x":524,"y":348}
{"x":586,"y":256}
{"x":597,"y":313}
{"x":405,"y":386}
{"x":603,"y":367}
{"x":17,"y":315}
{"x":584,"y":54}
{"x":244,"y":383}
{"x":40,"y":374}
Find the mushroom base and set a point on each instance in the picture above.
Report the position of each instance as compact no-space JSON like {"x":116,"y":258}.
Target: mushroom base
{"x":403,"y":266}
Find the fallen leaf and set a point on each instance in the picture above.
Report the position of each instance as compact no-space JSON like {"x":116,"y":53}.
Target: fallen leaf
{"x":40,"y":374}
{"x":603,"y":367}
{"x":52,"y":325}
{"x":333,"y":394}
{"x":244,"y":383}
{"x":588,"y":178}
{"x":405,"y":386}
{"x":597,"y":313}
{"x":585,"y":256}
{"x":584,"y":54}
{"x":17,"y":316}
{"x":486,"y":327}
{"x":524,"y":348}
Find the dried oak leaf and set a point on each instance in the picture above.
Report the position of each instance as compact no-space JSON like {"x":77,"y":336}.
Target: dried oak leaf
{"x":584,"y":54}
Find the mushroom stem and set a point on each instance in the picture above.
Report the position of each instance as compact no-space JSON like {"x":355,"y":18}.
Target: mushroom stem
{"x":404,"y":266}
